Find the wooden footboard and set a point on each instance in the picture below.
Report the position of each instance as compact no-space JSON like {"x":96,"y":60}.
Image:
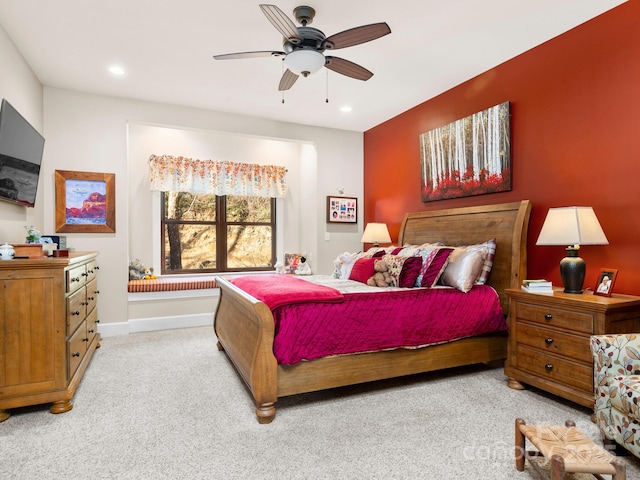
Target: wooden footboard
{"x":245,"y":326}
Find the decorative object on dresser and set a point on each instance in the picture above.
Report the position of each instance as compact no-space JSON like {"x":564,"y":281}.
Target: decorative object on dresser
{"x":49,"y":306}
{"x":246,"y":331}
{"x":549,"y":338}
{"x":537,"y":286}
{"x":606,"y":280}
{"x":573,"y":226}
{"x":376,"y":233}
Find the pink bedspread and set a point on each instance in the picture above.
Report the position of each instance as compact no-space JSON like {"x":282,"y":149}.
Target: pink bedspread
{"x":277,"y":290}
{"x":384,"y":320}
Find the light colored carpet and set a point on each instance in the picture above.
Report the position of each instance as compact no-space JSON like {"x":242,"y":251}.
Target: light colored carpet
{"x":168,"y":405}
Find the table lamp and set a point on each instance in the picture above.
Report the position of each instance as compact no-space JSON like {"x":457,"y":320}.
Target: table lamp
{"x":376,"y":233}
{"x":573,"y":226}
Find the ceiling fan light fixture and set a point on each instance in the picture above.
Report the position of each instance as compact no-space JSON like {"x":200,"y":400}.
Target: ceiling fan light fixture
{"x":304,"y":61}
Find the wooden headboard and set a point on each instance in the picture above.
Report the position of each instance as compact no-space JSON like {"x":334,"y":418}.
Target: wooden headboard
{"x":506,"y":222}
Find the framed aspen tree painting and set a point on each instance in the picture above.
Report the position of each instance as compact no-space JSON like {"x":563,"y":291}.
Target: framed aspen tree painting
{"x":471,"y":156}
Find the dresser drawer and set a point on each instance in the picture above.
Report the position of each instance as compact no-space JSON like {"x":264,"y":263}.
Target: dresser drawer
{"x":76,"y":278}
{"x":555,"y":369}
{"x":91,"y":270}
{"x":556,"y":317}
{"x":76,"y":348}
{"x":76,"y":310}
{"x":92,"y":294}
{"x":92,"y":324}
{"x":552,"y":341}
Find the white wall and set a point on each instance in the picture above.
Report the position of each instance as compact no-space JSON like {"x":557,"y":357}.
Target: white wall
{"x":88,"y":133}
{"x":21,"y":88}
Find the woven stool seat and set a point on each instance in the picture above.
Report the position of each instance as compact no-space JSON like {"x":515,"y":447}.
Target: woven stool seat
{"x":568,"y":449}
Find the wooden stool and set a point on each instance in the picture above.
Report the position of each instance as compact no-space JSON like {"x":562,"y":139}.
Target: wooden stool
{"x":568,"y":450}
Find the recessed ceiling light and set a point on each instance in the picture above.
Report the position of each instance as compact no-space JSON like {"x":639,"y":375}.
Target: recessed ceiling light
{"x":345,"y":109}
{"x":115,"y":70}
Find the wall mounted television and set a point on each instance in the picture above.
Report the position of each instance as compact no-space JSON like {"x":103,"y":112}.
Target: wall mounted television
{"x":21,"y":148}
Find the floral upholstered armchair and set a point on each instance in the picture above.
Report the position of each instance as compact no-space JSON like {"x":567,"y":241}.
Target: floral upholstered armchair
{"x":616,"y":377}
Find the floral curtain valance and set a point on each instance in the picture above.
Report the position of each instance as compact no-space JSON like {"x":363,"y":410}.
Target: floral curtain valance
{"x":179,"y":174}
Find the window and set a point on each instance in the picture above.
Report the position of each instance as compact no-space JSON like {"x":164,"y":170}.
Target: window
{"x":209,"y":233}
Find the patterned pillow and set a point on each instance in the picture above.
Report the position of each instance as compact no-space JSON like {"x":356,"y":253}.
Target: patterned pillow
{"x":434,"y":265}
{"x":403,"y":270}
{"x":490,"y":246}
{"x":362,"y":270}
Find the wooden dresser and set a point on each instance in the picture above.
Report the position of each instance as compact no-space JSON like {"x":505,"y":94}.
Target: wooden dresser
{"x":549,"y":338}
{"x":48,"y":329}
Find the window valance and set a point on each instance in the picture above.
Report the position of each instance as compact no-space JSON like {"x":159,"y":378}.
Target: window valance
{"x":179,"y":174}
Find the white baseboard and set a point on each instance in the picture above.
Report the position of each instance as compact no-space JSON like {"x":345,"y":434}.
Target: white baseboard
{"x":157,"y":323}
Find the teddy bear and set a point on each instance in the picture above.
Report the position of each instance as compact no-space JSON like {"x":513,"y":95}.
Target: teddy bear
{"x":381,"y":278}
{"x":136,"y":270}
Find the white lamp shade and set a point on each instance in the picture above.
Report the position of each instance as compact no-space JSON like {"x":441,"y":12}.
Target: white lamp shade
{"x":571,"y":226}
{"x":376,"y":233}
{"x":304,"y":61}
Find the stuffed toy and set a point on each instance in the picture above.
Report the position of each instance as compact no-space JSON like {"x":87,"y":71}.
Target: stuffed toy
{"x":136,"y":270}
{"x":279,"y":267}
{"x":303,"y":267}
{"x":148,"y":274}
{"x":344,"y":264}
{"x":381,"y":278}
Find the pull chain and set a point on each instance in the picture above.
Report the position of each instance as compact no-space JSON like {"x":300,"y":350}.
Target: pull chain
{"x":281,"y":77}
{"x":327,"y":80}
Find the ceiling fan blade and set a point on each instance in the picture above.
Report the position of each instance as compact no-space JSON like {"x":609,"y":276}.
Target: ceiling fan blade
{"x":357,"y":35}
{"x":345,"y":67}
{"x":282,"y":23}
{"x":287,"y":80}
{"x":232,"y":56}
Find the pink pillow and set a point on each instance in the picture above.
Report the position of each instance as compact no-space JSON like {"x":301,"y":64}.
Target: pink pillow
{"x":435,"y":266}
{"x":362,"y":270}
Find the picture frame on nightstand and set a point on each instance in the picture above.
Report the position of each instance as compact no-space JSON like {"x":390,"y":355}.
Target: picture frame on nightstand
{"x":605,"y":282}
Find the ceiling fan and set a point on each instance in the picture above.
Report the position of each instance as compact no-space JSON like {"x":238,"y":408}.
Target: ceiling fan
{"x":304,"y":46}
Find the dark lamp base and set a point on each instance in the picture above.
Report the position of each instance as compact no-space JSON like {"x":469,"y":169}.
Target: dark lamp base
{"x":572,"y":271}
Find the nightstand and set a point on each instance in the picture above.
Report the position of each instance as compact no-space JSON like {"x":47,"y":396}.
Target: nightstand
{"x":549,"y":338}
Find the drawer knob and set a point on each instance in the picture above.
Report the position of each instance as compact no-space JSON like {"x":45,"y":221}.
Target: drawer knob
{"x":91,"y":331}
{"x":548,"y":367}
{"x":75,"y":313}
{"x":548,"y":341}
{"x":85,"y":339}
{"x":548,"y":316}
{"x":75,"y":354}
{"x":75,"y":279}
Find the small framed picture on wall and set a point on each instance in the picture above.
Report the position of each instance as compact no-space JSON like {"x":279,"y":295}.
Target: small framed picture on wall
{"x":342,"y":209}
{"x":604,"y":284}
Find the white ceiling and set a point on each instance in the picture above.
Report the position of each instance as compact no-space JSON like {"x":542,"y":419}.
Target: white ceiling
{"x":166,"y":48}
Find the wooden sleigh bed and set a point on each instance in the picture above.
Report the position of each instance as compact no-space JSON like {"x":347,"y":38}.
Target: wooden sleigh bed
{"x":245,"y":326}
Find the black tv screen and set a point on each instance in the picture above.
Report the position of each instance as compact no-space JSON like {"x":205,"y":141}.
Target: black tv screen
{"x":21,"y":148}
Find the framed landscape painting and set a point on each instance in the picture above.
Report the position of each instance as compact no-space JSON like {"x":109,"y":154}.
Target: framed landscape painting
{"x":471,"y":156}
{"x":85,"y":202}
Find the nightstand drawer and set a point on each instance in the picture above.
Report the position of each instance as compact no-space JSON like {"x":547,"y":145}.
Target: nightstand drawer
{"x":555,"y":317}
{"x":555,"y":342}
{"x":556,"y":369}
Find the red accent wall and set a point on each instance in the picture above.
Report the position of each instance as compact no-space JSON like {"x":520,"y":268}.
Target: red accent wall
{"x":575,"y":132}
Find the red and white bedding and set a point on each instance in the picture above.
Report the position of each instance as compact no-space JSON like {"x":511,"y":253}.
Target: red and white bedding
{"x":347,"y":317}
